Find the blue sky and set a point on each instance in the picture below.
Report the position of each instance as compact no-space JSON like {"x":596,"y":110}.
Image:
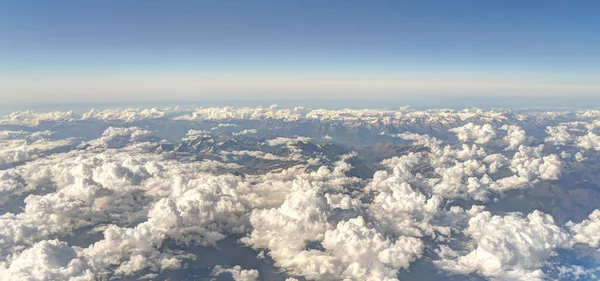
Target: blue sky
{"x":103,"y":51}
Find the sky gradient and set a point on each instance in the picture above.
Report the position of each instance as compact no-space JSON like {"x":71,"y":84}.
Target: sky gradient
{"x":129,"y":51}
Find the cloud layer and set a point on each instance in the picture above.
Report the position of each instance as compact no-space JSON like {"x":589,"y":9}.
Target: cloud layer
{"x":314,"y":194}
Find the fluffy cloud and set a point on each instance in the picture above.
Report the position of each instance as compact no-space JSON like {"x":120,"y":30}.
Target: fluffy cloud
{"x":32,"y":118}
{"x":127,"y":114}
{"x":285,"y":230}
{"x":529,"y":163}
{"x":587,"y":231}
{"x":223,"y":125}
{"x":260,"y":113}
{"x":589,"y":141}
{"x":509,"y":247}
{"x":558,"y":135}
{"x":398,"y":206}
{"x":286,"y":141}
{"x":45,"y":261}
{"x":193,"y":134}
{"x":365,"y":254}
{"x":580,"y":134}
{"x":44,"y":216}
{"x":135,"y":249}
{"x":237,"y":273}
{"x":245,"y":132}
{"x":515,"y":137}
{"x":351,"y":249}
{"x":467,"y":171}
{"x":10,"y":184}
{"x":479,"y":134}
{"x":20,"y":146}
{"x":117,"y":137}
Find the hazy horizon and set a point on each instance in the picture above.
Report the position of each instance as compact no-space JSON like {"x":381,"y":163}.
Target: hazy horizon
{"x":107,"y":51}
